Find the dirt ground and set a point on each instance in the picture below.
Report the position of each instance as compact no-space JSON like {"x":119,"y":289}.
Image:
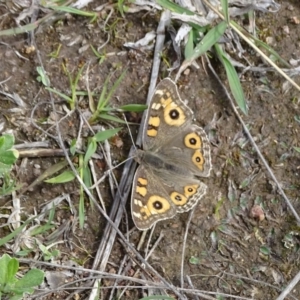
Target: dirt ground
{"x":227,"y":250}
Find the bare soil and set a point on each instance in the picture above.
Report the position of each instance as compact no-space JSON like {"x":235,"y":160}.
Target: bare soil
{"x":228,"y":250}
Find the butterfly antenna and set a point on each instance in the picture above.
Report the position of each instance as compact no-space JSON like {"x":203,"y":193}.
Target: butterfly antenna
{"x":109,"y":171}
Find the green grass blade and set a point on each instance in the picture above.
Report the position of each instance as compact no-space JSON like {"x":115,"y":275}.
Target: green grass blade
{"x":134,"y":107}
{"x":297,"y":149}
{"x":210,"y":39}
{"x":116,"y":85}
{"x":106,"y":134}
{"x":10,"y":236}
{"x":224,"y":4}
{"x":48,"y":226}
{"x":111,"y":118}
{"x":102,"y":101}
{"x":189,"y":47}
{"x":91,"y":149}
{"x":74,"y":11}
{"x":233,"y":79}
{"x":173,"y":7}
{"x":74,"y":86}
{"x":68,"y":99}
{"x":87,"y":179}
{"x":64,"y":177}
{"x":23,"y":29}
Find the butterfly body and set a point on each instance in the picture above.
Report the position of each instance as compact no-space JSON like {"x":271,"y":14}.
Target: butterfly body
{"x":175,"y":151}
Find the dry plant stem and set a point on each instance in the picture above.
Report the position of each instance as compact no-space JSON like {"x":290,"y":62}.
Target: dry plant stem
{"x":125,"y":271}
{"x":142,"y":264}
{"x":251,"y":44}
{"x":254,"y":144}
{"x":50,"y":171}
{"x":202,"y":295}
{"x":43,"y":144}
{"x":142,"y":240}
{"x":106,"y":275}
{"x":191,"y":284}
{"x":116,"y":281}
{"x":161,"y":235}
{"x":251,"y":280}
{"x":67,"y":115}
{"x":289,"y":288}
{"x":41,"y":152}
{"x":184,"y":245}
{"x":149,"y":239}
{"x":109,"y":163}
{"x":33,"y":122}
{"x":94,"y":175}
{"x":116,"y":213}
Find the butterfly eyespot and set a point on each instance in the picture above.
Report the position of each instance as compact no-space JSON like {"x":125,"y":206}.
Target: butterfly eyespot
{"x":198,"y":159}
{"x":174,"y":114}
{"x":178,"y":199}
{"x":190,"y":190}
{"x":157,"y":205}
{"x":193,"y":141}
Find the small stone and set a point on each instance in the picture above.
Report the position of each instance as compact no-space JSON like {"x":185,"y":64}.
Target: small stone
{"x":187,"y":72}
{"x":269,"y":40}
{"x":295,"y":20}
{"x":257,"y":213}
{"x":286,"y":29}
{"x":29,"y":49}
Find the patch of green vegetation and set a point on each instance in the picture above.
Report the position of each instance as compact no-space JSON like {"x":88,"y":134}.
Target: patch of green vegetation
{"x":43,"y":77}
{"x":203,"y":39}
{"x":13,"y":287}
{"x":101,"y":111}
{"x":55,"y":53}
{"x":106,"y":113}
{"x":73,"y":86}
{"x":100,"y":56}
{"x":8,"y":156}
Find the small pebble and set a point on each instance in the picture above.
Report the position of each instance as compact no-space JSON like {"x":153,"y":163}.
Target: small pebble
{"x":257,"y":213}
